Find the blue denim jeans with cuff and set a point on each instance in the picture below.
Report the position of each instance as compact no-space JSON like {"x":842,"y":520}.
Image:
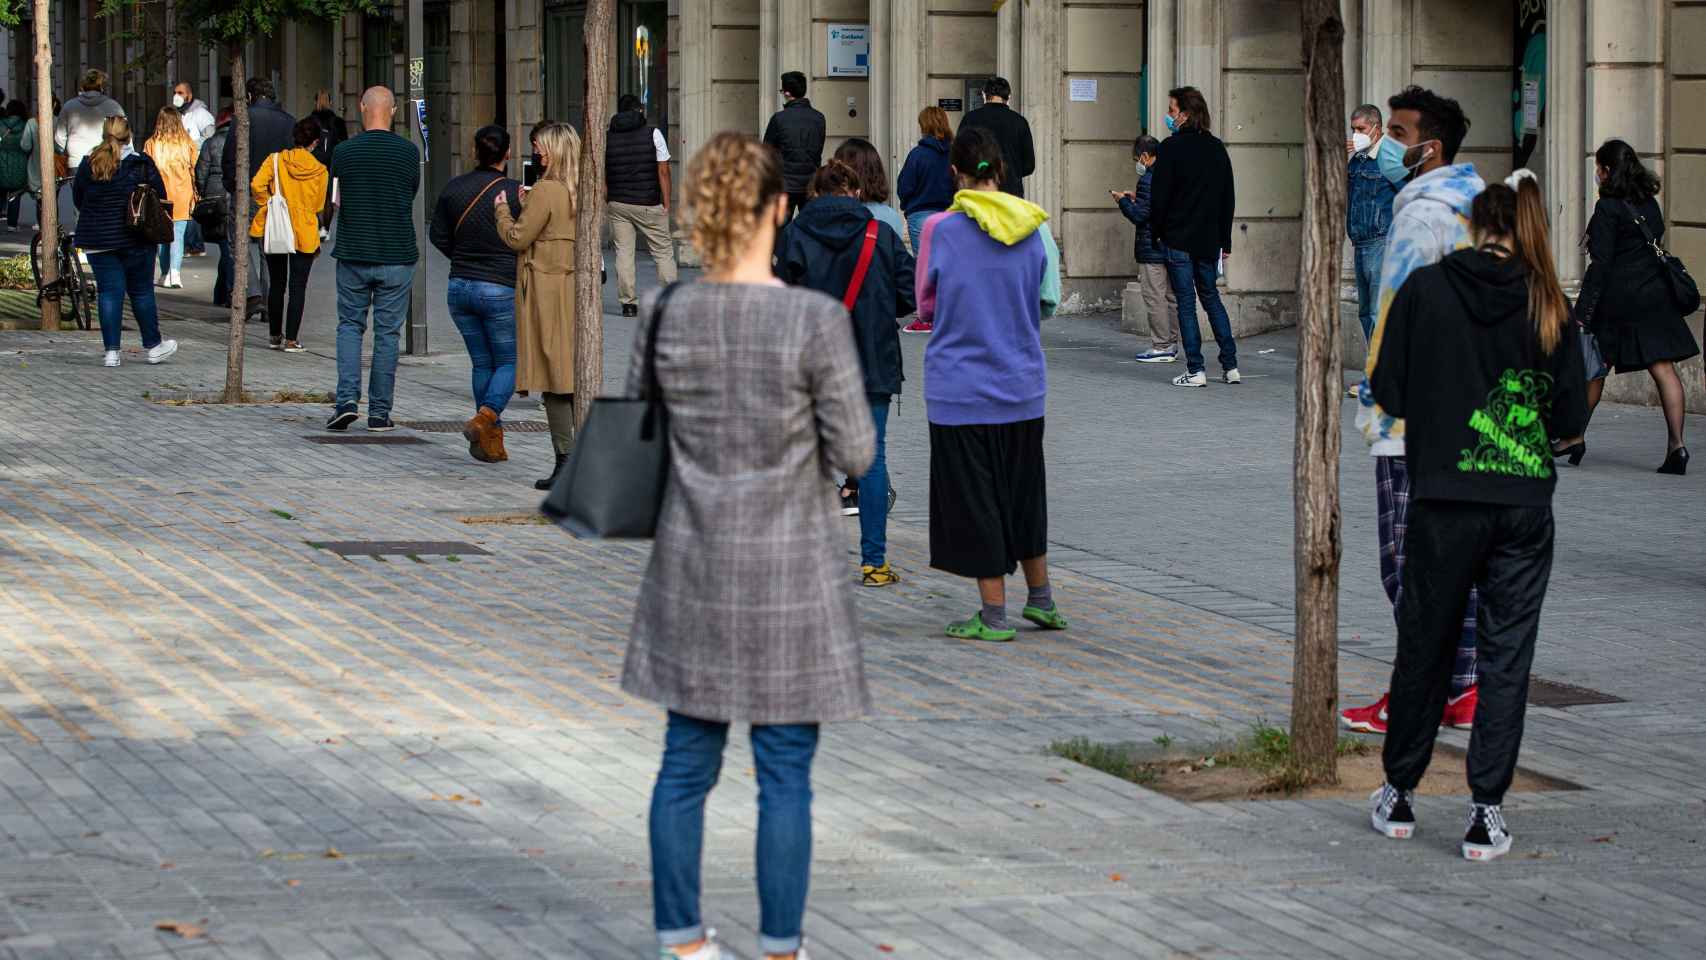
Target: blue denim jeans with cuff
{"x":129,"y":270}
{"x":874,"y":494}
{"x":1369,"y":256}
{"x":692,"y":761}
{"x":383,"y":287}
{"x":1194,"y":277}
{"x":485,"y":316}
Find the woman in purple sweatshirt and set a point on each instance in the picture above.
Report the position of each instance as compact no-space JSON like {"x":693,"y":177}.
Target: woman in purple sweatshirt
{"x":988,"y":272}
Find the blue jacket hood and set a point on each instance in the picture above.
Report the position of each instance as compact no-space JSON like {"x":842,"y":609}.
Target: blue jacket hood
{"x":835,"y":222}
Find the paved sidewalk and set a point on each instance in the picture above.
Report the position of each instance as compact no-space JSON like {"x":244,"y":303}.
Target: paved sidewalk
{"x":206,"y":718}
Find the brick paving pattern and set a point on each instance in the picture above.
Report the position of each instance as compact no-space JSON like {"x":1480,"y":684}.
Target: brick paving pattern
{"x":207,"y":718}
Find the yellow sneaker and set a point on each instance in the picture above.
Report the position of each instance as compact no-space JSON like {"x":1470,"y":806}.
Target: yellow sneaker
{"x":881,"y":576}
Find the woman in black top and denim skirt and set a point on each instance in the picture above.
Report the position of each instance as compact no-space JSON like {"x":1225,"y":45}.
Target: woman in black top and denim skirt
{"x":1625,"y":300}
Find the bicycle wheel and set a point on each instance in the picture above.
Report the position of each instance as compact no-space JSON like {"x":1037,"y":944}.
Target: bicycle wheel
{"x":35,"y":263}
{"x":82,"y":303}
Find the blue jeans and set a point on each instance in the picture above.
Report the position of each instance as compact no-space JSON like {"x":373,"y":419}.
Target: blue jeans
{"x":915,"y":233}
{"x":874,"y":494}
{"x":172,"y":254}
{"x":1368,"y":259}
{"x":1192,"y":277}
{"x":120,"y":272}
{"x":692,"y":759}
{"x":485,"y":316}
{"x":192,"y":236}
{"x":385,"y":288}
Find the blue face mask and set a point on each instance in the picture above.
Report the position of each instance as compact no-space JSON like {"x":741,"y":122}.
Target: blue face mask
{"x":1172,"y":124}
{"x":1390,"y":156}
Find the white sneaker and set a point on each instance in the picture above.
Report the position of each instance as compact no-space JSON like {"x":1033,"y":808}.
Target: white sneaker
{"x":1198,"y":379}
{"x":1232,"y":376}
{"x":113,"y":358}
{"x":710,"y":951}
{"x":165,"y":349}
{"x":175,"y":281}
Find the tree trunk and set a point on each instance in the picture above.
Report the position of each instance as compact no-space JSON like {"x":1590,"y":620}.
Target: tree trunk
{"x":47,"y":206}
{"x":238,"y":233}
{"x":1320,"y":386}
{"x":589,"y":223}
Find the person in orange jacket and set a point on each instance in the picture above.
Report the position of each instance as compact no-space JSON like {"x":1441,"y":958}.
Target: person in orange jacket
{"x":300,"y":178}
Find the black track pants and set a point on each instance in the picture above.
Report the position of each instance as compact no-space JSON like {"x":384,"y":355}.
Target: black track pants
{"x":1505,"y":552}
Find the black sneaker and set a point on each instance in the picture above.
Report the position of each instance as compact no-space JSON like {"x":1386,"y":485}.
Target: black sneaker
{"x":1487,"y":838}
{"x":1393,"y":816}
{"x":380,"y":425}
{"x":630,"y":309}
{"x":849,"y":501}
{"x":341,"y":420}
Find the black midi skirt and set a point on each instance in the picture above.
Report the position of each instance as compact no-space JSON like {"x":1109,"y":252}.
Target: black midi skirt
{"x":988,"y":497}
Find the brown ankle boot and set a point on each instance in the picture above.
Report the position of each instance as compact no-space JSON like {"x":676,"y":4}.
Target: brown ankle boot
{"x":492,"y":443}
{"x":475,"y":432}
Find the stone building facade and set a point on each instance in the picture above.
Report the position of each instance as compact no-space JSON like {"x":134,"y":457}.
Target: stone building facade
{"x":1088,"y":74}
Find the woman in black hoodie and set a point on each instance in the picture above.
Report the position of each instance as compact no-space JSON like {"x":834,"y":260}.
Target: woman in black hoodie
{"x":1478,"y":358}
{"x":822,"y":248}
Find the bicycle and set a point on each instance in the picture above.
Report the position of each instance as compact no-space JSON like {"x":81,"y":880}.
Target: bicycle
{"x":74,"y":286}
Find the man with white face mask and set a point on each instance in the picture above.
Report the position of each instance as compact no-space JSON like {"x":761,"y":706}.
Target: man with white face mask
{"x":1369,"y":210}
{"x":198,"y":119}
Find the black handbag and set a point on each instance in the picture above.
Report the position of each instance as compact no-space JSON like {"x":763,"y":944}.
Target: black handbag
{"x":209,"y":212}
{"x":149,"y":218}
{"x":1684,"y":292}
{"x":612,"y":485}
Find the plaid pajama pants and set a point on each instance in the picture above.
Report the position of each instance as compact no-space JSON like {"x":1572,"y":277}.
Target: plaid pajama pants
{"x":1392,"y":494}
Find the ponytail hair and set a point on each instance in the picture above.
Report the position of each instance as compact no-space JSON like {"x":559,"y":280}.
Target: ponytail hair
{"x":103,"y":160}
{"x":1519,"y":213}
{"x":976,"y":155}
{"x":834,"y":179}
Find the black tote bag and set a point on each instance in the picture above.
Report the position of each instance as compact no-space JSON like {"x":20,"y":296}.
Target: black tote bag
{"x":1684,"y":292}
{"x":612,"y":485}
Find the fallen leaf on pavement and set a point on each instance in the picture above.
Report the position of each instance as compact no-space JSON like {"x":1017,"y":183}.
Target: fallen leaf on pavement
{"x":188,"y":931}
{"x":885,"y":948}
{"x":1056,"y":779}
{"x":1608,"y":838}
{"x":534,"y":852}
{"x":167,"y":865}
{"x":333,"y":853}
{"x":1115,"y":877}
{"x":293,"y":883}
{"x":268,"y":852}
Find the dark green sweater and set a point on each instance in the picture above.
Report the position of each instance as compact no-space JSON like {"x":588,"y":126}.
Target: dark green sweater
{"x":377,"y":173}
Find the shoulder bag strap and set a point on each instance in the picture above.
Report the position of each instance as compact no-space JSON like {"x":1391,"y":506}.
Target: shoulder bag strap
{"x":470,"y":207}
{"x":650,"y":389}
{"x":1646,"y":231}
{"x":863,"y":267}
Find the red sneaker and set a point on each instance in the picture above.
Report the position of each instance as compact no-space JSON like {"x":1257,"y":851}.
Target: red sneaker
{"x":1369,"y":719}
{"x":1460,"y":710}
{"x":918,"y":326}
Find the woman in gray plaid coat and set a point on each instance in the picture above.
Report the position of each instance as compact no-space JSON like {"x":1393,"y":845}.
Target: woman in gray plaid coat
{"x":746,"y":610}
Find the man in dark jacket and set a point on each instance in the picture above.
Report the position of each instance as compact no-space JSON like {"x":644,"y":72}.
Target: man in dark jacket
{"x":797,"y":130}
{"x":1018,"y":153}
{"x":1190,"y":213}
{"x":333,"y":129}
{"x":636,"y":186}
{"x":820,"y":249}
{"x":270,"y":130}
{"x":1158,"y":299}
{"x":210,"y":183}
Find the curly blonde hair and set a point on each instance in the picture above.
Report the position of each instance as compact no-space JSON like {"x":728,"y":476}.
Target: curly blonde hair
{"x":729,"y":182}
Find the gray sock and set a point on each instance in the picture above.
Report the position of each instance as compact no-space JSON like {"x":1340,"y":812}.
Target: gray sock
{"x":995,"y":616}
{"x":1041,"y":597}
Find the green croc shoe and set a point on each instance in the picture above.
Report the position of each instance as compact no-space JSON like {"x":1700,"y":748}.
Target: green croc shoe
{"x":1049,"y":619}
{"x":975,"y":629}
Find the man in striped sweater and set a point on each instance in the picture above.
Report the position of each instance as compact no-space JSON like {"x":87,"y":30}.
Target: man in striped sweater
{"x":375,"y":175}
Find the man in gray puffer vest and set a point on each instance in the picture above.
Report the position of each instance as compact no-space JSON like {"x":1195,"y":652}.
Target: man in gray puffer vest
{"x":636,"y":184}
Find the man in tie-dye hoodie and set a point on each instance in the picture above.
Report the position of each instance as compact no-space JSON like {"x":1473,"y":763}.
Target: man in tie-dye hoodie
{"x":1430,"y":219}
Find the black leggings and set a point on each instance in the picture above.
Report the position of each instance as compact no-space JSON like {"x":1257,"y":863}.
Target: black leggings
{"x":283,"y":268}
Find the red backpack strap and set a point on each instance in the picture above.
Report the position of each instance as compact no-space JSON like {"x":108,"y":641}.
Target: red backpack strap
{"x":863,"y":267}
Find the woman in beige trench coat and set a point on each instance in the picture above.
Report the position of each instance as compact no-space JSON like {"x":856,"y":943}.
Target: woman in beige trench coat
{"x":544,"y":241}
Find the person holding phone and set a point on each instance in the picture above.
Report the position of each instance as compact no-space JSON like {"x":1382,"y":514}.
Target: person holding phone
{"x":1159,"y":301}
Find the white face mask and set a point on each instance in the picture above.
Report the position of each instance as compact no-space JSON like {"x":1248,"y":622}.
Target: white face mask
{"x":178,"y":100}
{"x":1360,"y":142}
{"x":1141,"y":169}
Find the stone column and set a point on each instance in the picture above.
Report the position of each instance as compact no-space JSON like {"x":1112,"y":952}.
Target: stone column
{"x":878,"y":91}
{"x":793,"y":45}
{"x":1009,"y":45}
{"x":1568,"y":177}
{"x":1386,"y":61}
{"x":769,"y":68}
{"x":1039,"y":99}
{"x":904,"y":66}
{"x":1162,"y":56}
{"x":1199,"y":52}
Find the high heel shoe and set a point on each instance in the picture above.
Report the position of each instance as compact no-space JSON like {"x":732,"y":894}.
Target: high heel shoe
{"x":1676,"y":462}
{"x":1574,"y":452}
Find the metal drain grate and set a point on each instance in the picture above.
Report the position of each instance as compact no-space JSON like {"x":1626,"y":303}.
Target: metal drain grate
{"x":1550,"y":693}
{"x":455,"y":426}
{"x":401,"y":548}
{"x":370,"y":439}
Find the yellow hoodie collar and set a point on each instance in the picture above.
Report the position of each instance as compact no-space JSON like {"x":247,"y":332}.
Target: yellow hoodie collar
{"x":1003,"y":216}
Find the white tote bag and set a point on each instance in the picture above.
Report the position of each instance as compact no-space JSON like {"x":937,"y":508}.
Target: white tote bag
{"x":280,"y":236}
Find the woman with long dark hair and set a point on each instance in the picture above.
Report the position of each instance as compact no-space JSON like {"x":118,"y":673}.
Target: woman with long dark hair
{"x":1478,"y":356}
{"x":1625,"y":301}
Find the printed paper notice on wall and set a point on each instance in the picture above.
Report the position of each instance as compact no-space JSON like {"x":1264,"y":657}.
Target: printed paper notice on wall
{"x":1530,"y":106}
{"x":849,"y":50}
{"x":1083,"y":91}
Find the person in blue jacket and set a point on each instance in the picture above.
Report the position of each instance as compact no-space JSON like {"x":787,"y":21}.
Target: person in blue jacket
{"x":820,"y":249}
{"x":123,"y":260}
{"x":1159,"y":301}
{"x":926,"y":183}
